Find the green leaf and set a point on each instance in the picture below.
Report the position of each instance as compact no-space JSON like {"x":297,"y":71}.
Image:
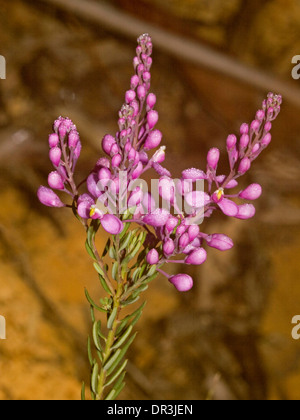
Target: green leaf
{"x":114,"y":271}
{"x":89,"y":250}
{"x":98,"y":269}
{"x":111,"y":318}
{"x":125,"y":230}
{"x":104,"y":285}
{"x":122,"y":339}
{"x":112,"y":360}
{"x":83,"y":392}
{"x":94,"y":378}
{"x":120,"y":354}
{"x":117,"y":374}
{"x":124,"y":244}
{"x":130,"y":301}
{"x":112,"y":253}
{"x":107,"y":246}
{"x":115,"y":392}
{"x":132,"y":254}
{"x":96,"y":338}
{"x":92,"y":302}
{"x":90,"y":355}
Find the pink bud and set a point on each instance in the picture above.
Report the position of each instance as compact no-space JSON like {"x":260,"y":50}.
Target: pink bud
{"x":157,"y":218}
{"x":213,"y":157}
{"x":77,"y":150}
{"x":135,"y":197}
{"x":244,"y":166}
{"x":55,"y":155}
{"x":112,"y":224}
{"x":104,"y":173}
{"x":171,"y":224}
{"x":141,"y":92}
{"x":49,"y":198}
{"x":130,"y":96}
{"x":55,"y":181}
{"x":73,"y":139}
{"x":193,"y":232}
{"x":153,"y":140}
{"x":146,"y":76}
{"x":260,"y":115}
{"x":231,"y":141}
{"x":138,"y":171}
{"x":166,"y":188}
{"x":182,"y":282}
{"x":160,"y":155}
{"x":134,"y":81}
{"x":116,"y":161}
{"x":168,"y":247}
{"x":219,"y":241}
{"x":245,"y":211}
{"x":107,"y":143}
{"x":255,"y":126}
{"x":184,"y":240}
{"x":266,"y":140}
{"x":244,"y":129}
{"x":114,"y":149}
{"x":151,"y":100}
{"x":196,"y":257}
{"x":244,"y":141}
{"x":53,"y":140}
{"x":197,"y":199}
{"x":268,"y":126}
{"x":152,"y":257}
{"x":152,"y":118}
{"x":252,"y":192}
{"x":193,"y":174}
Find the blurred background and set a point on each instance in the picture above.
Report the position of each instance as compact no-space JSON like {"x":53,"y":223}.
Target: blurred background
{"x":230,"y":337}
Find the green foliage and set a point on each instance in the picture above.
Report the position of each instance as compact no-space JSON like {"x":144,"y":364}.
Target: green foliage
{"x":129,"y":277}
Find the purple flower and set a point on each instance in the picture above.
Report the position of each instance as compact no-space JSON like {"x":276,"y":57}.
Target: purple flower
{"x":219,"y":241}
{"x":157,"y":218}
{"x":152,"y":257}
{"x":182,"y":282}
{"x":252,"y":192}
{"x":49,"y":198}
{"x":196,"y":257}
{"x":112,"y":224}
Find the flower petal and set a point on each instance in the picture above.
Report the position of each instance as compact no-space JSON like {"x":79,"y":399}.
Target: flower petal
{"x":112,"y":224}
{"x":228,"y":207}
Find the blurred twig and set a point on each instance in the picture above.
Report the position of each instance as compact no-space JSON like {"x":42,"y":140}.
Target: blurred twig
{"x":181,"y":47}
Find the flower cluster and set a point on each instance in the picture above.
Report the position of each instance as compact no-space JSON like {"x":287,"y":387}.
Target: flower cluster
{"x":172,"y":231}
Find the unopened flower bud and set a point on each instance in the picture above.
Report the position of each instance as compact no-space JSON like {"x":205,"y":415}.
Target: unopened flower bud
{"x":266,"y":140}
{"x":184,"y":240}
{"x":182,"y":282}
{"x":53,"y":140}
{"x":138,"y":171}
{"x":168,"y":247}
{"x":153,"y":140}
{"x":152,"y":257}
{"x":73,"y":139}
{"x":213,"y":157}
{"x":130,"y":96}
{"x":244,"y":141}
{"x":231,"y":141}
{"x":134,"y":81}
{"x":112,"y":224}
{"x":193,"y":232}
{"x":219,"y":241}
{"x":244,"y":129}
{"x":171,"y":224}
{"x":196,"y":257}
{"x":141,"y":92}
{"x":252,"y":192}
{"x":55,"y":181}
{"x":151,"y":100}
{"x":107,"y":143}
{"x":116,"y":160}
{"x":55,"y":155}
{"x":160,"y":155}
{"x":244,"y":166}
{"x":152,"y":118}
{"x":49,"y":198}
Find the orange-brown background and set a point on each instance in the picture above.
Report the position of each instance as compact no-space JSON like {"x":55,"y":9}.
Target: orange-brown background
{"x":230,"y":338}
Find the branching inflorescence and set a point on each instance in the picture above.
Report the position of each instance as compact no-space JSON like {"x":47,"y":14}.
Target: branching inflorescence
{"x":147,"y":230}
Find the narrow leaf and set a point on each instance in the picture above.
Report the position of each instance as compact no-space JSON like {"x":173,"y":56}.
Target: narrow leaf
{"x":120,"y":356}
{"x":117,"y":374}
{"x":93,"y":303}
{"x":123,"y":338}
{"x":111,"y":360}
{"x":96,"y":328}
{"x":111,"y":318}
{"x":94,"y":378}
